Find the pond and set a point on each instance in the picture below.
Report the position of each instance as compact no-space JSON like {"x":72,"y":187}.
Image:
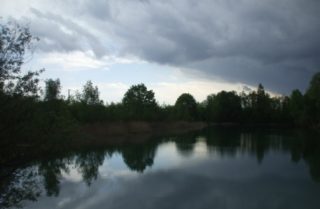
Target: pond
{"x":227,"y":168}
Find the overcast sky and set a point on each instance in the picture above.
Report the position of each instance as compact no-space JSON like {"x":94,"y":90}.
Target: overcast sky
{"x":173,"y":46}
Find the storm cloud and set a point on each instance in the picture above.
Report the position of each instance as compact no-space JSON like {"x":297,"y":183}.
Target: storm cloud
{"x":274,"y":42}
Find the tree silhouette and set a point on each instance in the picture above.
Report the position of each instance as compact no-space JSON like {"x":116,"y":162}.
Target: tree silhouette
{"x":139,"y":102}
{"x":186,"y":107}
{"x":88,"y":164}
{"x":138,"y":157}
{"x":51,"y":170}
{"x":224,"y":107}
{"x":90,"y":94}
{"x":52,"y":89}
{"x":296,"y":105}
{"x":313,"y":100}
{"x":261,"y":105}
{"x":15,"y":41}
{"x":21,"y":185}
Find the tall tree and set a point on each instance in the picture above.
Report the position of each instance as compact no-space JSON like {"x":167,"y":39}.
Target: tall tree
{"x":52,"y":89}
{"x":224,"y":107}
{"x":263,"y":99}
{"x":296,"y":105}
{"x":261,"y":105}
{"x":139,"y":102}
{"x":15,"y":42}
{"x":90,"y":94}
{"x":313,"y":100}
{"x":186,"y":107}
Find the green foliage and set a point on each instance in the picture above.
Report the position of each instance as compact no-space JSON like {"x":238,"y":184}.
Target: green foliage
{"x":167,"y":113}
{"x":90,"y":94}
{"x":296,"y":105}
{"x":85,"y":113}
{"x":186,"y":107}
{"x":312,"y":100}
{"x":28,"y":120}
{"x":87,"y":107}
{"x":224,"y":107}
{"x":261,"y":104}
{"x":139,"y":103}
{"x":52,"y":90}
{"x":15,"y":41}
{"x":53,"y":117}
{"x":258,"y":106}
{"x":16,"y":115}
{"x":115,"y":112}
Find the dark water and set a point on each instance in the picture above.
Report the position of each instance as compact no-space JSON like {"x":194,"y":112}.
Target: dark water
{"x":214,"y":168}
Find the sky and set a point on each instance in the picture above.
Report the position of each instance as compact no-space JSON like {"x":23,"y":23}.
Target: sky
{"x":173,"y":46}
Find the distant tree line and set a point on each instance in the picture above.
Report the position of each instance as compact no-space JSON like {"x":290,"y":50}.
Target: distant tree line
{"x":255,"y":107}
{"x":23,"y":110}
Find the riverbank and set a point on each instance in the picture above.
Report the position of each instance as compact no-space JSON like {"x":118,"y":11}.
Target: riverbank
{"x":91,"y":135}
{"x":115,"y":133}
{"x":256,"y":125}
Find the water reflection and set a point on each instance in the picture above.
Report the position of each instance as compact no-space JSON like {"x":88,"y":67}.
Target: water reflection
{"x":215,"y":163}
{"x":51,"y":171}
{"x":22,"y":184}
{"x":185,"y":143}
{"x":88,"y":163}
{"x":138,"y":157}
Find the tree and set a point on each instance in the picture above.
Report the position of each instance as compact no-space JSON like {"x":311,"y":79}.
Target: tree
{"x":313,"y":100}
{"x":224,"y":107}
{"x":296,"y":106}
{"x":260,"y":103}
{"x":90,"y":94}
{"x":263,"y":100}
{"x":15,"y":41}
{"x":137,"y":157}
{"x":209,"y":110}
{"x":139,"y":102}
{"x":52,"y":89}
{"x":17,"y":90}
{"x":186,"y":107}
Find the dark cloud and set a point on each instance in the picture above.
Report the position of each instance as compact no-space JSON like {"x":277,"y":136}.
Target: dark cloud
{"x":269,"y":41}
{"x":61,"y":34}
{"x":273,"y":42}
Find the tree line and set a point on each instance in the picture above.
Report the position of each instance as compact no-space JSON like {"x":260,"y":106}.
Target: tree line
{"x":139,"y":103}
{"x":23,"y":109}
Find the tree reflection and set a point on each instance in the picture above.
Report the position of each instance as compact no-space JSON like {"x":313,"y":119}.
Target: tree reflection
{"x":137,"y":157}
{"x":20,"y":185}
{"x":185,"y":143}
{"x":88,"y":164}
{"x":255,"y":143}
{"x":51,"y":170}
{"x":299,"y":144}
{"x":223,"y":141}
{"x":28,"y":183}
{"x":311,"y":154}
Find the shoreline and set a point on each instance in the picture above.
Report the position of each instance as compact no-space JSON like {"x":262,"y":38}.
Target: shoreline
{"x":92,"y":136}
{"x":108,"y":134}
{"x":115,"y":133}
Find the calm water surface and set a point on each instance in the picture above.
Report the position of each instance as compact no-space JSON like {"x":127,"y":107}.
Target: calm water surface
{"x":214,"y":168}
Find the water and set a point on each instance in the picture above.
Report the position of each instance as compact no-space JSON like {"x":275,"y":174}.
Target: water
{"x":215,"y":168}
